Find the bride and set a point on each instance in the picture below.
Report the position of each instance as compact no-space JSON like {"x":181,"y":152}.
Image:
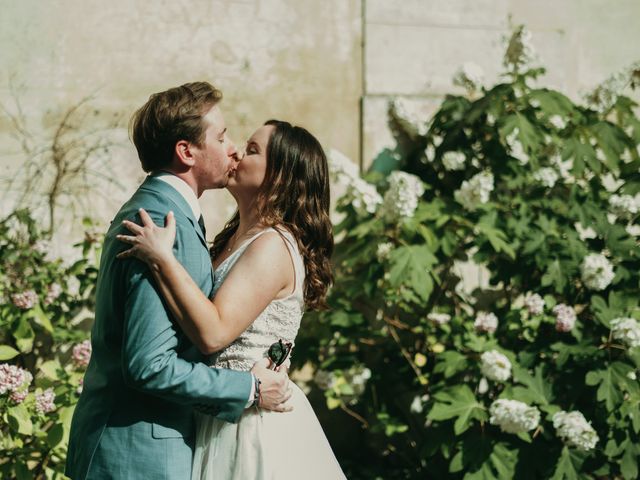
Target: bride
{"x":271,"y":261}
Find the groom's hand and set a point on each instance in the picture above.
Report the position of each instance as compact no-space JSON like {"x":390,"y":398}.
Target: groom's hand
{"x":275,"y":391}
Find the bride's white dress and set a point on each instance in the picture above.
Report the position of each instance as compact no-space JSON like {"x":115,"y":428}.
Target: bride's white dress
{"x":264,"y":445}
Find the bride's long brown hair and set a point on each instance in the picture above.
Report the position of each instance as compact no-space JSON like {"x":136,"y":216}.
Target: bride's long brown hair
{"x":295,"y":194}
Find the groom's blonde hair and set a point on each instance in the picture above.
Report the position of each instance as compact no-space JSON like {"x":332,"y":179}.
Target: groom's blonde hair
{"x":168,"y":117}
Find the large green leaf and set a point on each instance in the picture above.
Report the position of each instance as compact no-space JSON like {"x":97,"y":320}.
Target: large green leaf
{"x":450,"y":362}
{"x":411,"y":265}
{"x":611,"y":383}
{"x":460,"y":403}
{"x":7,"y":352}
{"x":538,"y":386}
{"x":20,"y":420}
{"x":568,"y":466}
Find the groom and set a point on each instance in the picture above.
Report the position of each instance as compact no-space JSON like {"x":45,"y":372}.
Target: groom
{"x":134,"y":418}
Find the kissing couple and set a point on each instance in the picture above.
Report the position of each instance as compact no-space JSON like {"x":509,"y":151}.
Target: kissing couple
{"x":188,"y":375}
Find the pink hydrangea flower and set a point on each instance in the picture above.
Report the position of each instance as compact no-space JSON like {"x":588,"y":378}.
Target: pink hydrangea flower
{"x":534,"y":303}
{"x":13,"y":378}
{"x":53,"y":292}
{"x":25,"y":300}
{"x":565,"y":317}
{"x":19,"y":396}
{"x":80,"y":385}
{"x":45,"y":401}
{"x":486,"y":322}
{"x":82,"y":353}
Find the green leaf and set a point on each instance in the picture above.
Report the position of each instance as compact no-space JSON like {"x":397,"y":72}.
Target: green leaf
{"x":567,"y":467}
{"x":50,"y":369}
{"x":55,"y":435}
{"x":410,"y":265}
{"x":629,"y":462}
{"x":42,"y":319}
{"x":20,"y":420}
{"x":460,"y":403}
{"x":24,"y":336}
{"x":7,"y":352}
{"x":497,"y":238}
{"x":554,"y":276}
{"x":538,"y":387}
{"x":611,"y":383}
{"x":449,"y":363}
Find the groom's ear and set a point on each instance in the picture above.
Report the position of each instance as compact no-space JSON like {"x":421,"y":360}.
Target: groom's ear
{"x":184,"y":153}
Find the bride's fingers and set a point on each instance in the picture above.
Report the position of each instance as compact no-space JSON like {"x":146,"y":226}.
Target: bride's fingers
{"x":127,"y":239}
{"x":146,"y":218}
{"x":132,"y":227}
{"x":126,"y":254}
{"x":170,"y":221}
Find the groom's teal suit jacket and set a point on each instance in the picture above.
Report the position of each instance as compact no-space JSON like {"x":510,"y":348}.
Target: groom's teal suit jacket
{"x":134,"y":419}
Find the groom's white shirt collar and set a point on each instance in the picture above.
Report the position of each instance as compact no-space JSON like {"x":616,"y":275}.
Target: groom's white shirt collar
{"x":185,"y":190}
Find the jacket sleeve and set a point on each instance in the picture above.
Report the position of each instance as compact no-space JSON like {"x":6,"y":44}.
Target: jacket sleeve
{"x":151,"y":364}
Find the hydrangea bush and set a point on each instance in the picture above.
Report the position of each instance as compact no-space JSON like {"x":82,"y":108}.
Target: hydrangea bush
{"x":45,"y":310}
{"x":531,"y":374}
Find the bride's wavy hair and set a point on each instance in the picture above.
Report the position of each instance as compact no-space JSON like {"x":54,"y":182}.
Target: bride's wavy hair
{"x":295,"y":194}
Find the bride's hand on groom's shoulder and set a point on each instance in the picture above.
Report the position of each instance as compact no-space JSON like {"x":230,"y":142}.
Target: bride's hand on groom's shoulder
{"x":150,"y":243}
{"x":275,"y":388}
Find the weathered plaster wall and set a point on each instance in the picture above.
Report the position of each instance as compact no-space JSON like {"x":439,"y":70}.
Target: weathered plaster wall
{"x":413,"y":48}
{"x":298,"y":60}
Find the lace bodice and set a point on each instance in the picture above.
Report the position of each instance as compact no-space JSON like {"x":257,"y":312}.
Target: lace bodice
{"x":280,"y":320}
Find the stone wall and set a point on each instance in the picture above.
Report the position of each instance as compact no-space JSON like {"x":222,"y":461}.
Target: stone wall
{"x":298,"y":60}
{"x":330,"y":65}
{"x":413,"y":48}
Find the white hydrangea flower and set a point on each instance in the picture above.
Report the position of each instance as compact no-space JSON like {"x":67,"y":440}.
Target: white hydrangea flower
{"x":429,"y":153}
{"x":626,"y":330}
{"x":520,"y":52}
{"x":564,"y":168}
{"x":469,"y":76}
{"x":486,"y":322}
{"x":565,"y":317}
{"x":454,"y":161}
{"x":574,"y":430}
{"x":547,"y":176}
{"x":341,"y":169}
{"x":410,"y":117}
{"x":495,"y":366}
{"x":632,"y":376}
{"x":439,"y":318}
{"x":363,"y":197}
{"x":383,"y":251}
{"x":401,"y":199}
{"x":534,"y":303}
{"x":324,"y":379}
{"x":605,"y":95}
{"x":597,"y":271}
{"x":515,"y":147}
{"x":483,"y":386}
{"x":417,"y":405}
{"x":357,"y":377}
{"x":624,"y":206}
{"x":513,"y":416}
{"x":475,"y":191}
{"x":558,"y":122}
{"x":585,"y":233}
